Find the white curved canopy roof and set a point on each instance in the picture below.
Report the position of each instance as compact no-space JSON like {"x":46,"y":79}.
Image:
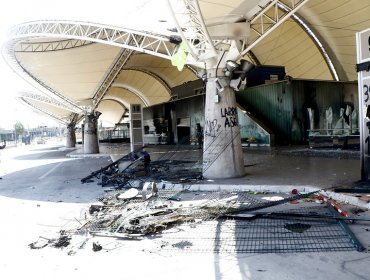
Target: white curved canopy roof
{"x":317,"y":42}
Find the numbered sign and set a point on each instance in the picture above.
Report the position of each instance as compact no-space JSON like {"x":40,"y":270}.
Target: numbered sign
{"x":363,"y":56}
{"x":365,"y":45}
{"x":365,"y":92}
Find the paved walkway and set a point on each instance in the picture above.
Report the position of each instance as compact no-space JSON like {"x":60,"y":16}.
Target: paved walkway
{"x":41,"y":193}
{"x":277,"y":169}
{"x":294,"y":166}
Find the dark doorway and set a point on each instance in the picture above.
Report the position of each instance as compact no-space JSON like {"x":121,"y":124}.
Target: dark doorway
{"x":183,"y":134}
{"x":183,"y":131}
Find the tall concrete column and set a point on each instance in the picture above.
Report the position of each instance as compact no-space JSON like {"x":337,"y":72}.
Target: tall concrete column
{"x":91,"y":141}
{"x":71,"y":136}
{"x":83,"y":132}
{"x":174,"y":125}
{"x":222,"y":150}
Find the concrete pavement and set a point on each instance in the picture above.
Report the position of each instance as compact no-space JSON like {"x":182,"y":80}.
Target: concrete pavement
{"x":41,"y":193}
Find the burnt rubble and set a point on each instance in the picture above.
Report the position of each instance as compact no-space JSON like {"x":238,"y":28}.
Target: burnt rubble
{"x":135,"y":168}
{"x":152,"y":212}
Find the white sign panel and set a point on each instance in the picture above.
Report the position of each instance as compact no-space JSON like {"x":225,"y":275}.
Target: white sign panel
{"x":363,"y":55}
{"x":365,"y":45}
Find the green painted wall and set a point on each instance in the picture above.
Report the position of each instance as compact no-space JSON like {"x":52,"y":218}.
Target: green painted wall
{"x":272,"y":105}
{"x":279,"y":108}
{"x":282,"y":106}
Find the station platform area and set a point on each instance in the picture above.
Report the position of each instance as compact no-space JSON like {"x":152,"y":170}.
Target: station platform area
{"x":268,"y":169}
{"x":51,"y":172}
{"x":41,"y":196}
{"x":296,"y":166}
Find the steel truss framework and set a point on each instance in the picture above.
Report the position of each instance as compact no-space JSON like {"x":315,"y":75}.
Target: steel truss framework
{"x":271,"y":16}
{"x":130,"y":39}
{"x":268,"y":19}
{"x":116,"y":67}
{"x":9,"y":56}
{"x":45,"y":99}
{"x":110,"y":76}
{"x":262,"y":24}
{"x":317,"y":42}
{"x":79,"y":34}
{"x":51,"y":46}
{"x":193,"y":30}
{"x":44,"y":111}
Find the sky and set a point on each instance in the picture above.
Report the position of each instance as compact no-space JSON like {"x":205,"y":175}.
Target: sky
{"x":138,"y":14}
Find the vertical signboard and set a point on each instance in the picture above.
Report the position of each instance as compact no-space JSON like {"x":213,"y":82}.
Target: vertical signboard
{"x":363,"y":67}
{"x":136,"y":127}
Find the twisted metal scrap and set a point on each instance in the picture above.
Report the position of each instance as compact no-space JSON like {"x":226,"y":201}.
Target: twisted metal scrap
{"x":135,"y":217}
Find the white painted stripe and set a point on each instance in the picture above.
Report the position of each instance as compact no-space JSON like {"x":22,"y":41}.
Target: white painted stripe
{"x":51,"y":170}
{"x":179,"y":151}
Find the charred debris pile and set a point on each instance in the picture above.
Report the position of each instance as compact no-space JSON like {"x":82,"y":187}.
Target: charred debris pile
{"x":173,"y":216}
{"x":147,"y":198}
{"x":135,"y":168}
{"x":134,"y":213}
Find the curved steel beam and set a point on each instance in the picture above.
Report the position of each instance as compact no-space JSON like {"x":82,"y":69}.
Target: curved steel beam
{"x":119,"y":102}
{"x":268,"y":19}
{"x":123,"y":104}
{"x":42,"y":98}
{"x":118,"y":98}
{"x":192,"y":69}
{"x":51,"y":46}
{"x":316,"y":40}
{"x":9,"y":56}
{"x":43,"y":111}
{"x":137,"y":93}
{"x":152,"y":74}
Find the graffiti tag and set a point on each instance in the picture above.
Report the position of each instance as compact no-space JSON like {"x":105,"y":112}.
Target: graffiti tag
{"x":211,"y":128}
{"x":231,"y":116}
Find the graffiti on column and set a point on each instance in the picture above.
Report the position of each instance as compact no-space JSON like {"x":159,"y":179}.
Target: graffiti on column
{"x":211,"y":128}
{"x":230,"y":114}
{"x":218,"y":146}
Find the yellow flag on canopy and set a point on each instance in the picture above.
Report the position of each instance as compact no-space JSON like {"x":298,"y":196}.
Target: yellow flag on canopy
{"x":179,"y":57}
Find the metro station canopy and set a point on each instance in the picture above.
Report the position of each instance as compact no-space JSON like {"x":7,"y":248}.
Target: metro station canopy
{"x":83,"y":65}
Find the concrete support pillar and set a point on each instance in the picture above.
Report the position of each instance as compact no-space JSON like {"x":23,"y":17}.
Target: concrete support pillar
{"x":174,"y":126}
{"x":91,"y":141}
{"x":222,"y":150}
{"x":71,"y":136}
{"x":83,"y":132}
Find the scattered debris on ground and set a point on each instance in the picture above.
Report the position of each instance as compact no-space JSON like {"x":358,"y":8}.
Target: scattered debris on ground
{"x":217,"y":221}
{"x":62,"y":241}
{"x":147,"y":199}
{"x":136,"y":167}
{"x":96,"y":247}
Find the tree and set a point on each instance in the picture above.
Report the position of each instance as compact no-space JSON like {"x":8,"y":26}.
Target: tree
{"x":19,"y":128}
